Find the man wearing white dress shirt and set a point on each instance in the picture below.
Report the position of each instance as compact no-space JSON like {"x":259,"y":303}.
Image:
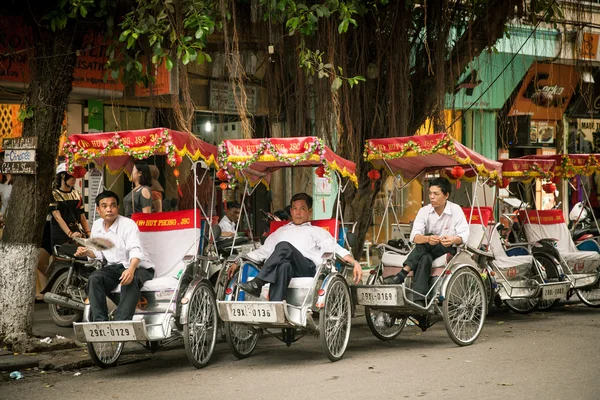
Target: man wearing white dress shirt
{"x":438,"y":227}
{"x":293,"y":251}
{"x":229,"y":221}
{"x":127,"y":262}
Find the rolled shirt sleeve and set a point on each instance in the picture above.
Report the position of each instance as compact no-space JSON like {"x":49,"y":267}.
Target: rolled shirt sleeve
{"x":419,"y":224}
{"x":462,"y":226}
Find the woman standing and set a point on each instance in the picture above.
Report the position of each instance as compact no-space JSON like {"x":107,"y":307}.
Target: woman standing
{"x":140,"y":198}
{"x":68,"y":213}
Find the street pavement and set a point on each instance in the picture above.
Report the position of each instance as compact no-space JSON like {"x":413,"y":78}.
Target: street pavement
{"x":549,"y":355}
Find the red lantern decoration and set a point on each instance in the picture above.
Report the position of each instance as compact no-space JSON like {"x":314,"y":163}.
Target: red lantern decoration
{"x":320,"y":171}
{"x":504,"y":184}
{"x":373,"y":176}
{"x":223,"y":186}
{"x":457,"y":173}
{"x":549,"y":187}
{"x":222,"y":175}
{"x":176,"y":173}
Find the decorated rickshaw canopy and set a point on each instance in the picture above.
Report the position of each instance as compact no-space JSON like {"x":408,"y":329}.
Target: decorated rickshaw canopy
{"x":409,"y":156}
{"x":526,"y":169}
{"x":255,"y":159}
{"x":116,"y":149}
{"x":571,"y":165}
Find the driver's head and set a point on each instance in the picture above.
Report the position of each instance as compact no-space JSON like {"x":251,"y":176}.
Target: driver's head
{"x":301,"y":210}
{"x":439,"y":191}
{"x":233,"y":211}
{"x":107,"y":205}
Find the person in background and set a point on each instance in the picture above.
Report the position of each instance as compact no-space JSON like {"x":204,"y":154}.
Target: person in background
{"x":5,"y":191}
{"x":43,"y":261}
{"x":68,"y":213}
{"x":140,"y":198}
{"x":157,"y":190}
{"x":229,"y":221}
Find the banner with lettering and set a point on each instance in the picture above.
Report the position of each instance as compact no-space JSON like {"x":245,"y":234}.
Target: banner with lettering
{"x":409,"y":156}
{"x":167,"y":221}
{"x":256,"y":159}
{"x":542,"y":217}
{"x":527,"y":169}
{"x":116,"y":149}
{"x":568,"y":166}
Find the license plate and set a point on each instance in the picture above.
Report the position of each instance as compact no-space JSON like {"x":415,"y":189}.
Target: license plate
{"x":252,"y":312}
{"x":109,"y":333}
{"x":555,"y":292}
{"x":377,"y":296}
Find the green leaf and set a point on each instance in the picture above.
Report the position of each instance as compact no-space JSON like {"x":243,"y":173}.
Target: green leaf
{"x":199,"y":33}
{"x":186,"y":58}
{"x":83,"y":11}
{"x":169,"y":63}
{"x":114,"y":74}
{"x":207,"y":56}
{"x":337,"y":83}
{"x":343,"y":26}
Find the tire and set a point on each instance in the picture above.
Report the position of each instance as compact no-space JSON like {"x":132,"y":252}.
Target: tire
{"x":490,"y":292}
{"x":105,"y":355}
{"x":465,"y":306}
{"x":335,"y":318}
{"x":383,"y":326}
{"x":589,"y":297}
{"x":200,"y":332}
{"x":522,"y":306}
{"x":552,"y":275}
{"x":63,"y":316}
{"x":242,"y":339}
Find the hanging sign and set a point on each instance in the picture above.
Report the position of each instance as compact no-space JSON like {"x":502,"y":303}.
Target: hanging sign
{"x":19,"y":155}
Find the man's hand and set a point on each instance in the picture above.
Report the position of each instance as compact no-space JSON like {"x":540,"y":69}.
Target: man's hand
{"x":447,"y":241}
{"x":83,"y":251}
{"x":357,"y":272}
{"x":232,"y":270}
{"x":433,"y":240}
{"x":127,"y":276}
{"x":76,"y":234}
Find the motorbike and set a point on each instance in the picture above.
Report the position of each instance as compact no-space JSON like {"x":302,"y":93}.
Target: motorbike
{"x":65,"y":291}
{"x":582,"y":223}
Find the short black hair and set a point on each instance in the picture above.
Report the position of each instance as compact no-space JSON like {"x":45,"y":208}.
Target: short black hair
{"x":443,"y":183}
{"x":302,"y":196}
{"x":146,"y":175}
{"x":105,"y":195}
{"x":233,"y":204}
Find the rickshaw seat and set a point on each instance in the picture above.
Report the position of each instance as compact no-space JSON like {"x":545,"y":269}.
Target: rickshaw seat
{"x":542,"y":224}
{"x":167,"y":237}
{"x":521,"y":263}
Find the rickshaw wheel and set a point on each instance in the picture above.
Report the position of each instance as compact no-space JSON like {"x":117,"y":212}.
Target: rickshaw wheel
{"x":465,"y":306}
{"x":200,"y":332}
{"x":63,"y":316}
{"x":589,"y":297}
{"x":105,"y":354}
{"x":335,"y":318}
{"x":241,"y":339}
{"x":549,"y":264}
{"x":522,"y":306}
{"x":383,"y":326}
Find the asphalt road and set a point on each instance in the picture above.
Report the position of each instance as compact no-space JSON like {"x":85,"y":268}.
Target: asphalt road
{"x":551,"y":355}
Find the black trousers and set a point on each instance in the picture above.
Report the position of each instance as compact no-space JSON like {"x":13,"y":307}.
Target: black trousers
{"x":420,"y":260}
{"x":285,"y":263}
{"x":104,"y":280}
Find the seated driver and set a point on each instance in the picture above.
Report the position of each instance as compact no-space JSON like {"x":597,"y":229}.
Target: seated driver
{"x":126,"y":263}
{"x":229,"y":222}
{"x":438,"y":228}
{"x":293,"y":251}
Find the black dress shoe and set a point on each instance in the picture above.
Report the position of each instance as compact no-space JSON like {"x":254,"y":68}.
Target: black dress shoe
{"x":252,"y":288}
{"x":393,"y":280}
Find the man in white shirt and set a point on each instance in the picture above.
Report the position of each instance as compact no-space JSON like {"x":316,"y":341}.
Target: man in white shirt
{"x":293,"y":251}
{"x":229,"y":221}
{"x":438,"y":227}
{"x":127,"y":262}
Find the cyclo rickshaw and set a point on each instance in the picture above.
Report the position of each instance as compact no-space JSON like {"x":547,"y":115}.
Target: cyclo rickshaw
{"x":457,"y":289}
{"x":579,"y":264}
{"x":318,"y":304}
{"x":520,"y":273}
{"x":179,"y":303}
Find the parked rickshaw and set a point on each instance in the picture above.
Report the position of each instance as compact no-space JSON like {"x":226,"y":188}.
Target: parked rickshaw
{"x":179,"y":303}
{"x":319,"y":304}
{"x":579,"y":264}
{"x":527,"y":281}
{"x":457,"y":291}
